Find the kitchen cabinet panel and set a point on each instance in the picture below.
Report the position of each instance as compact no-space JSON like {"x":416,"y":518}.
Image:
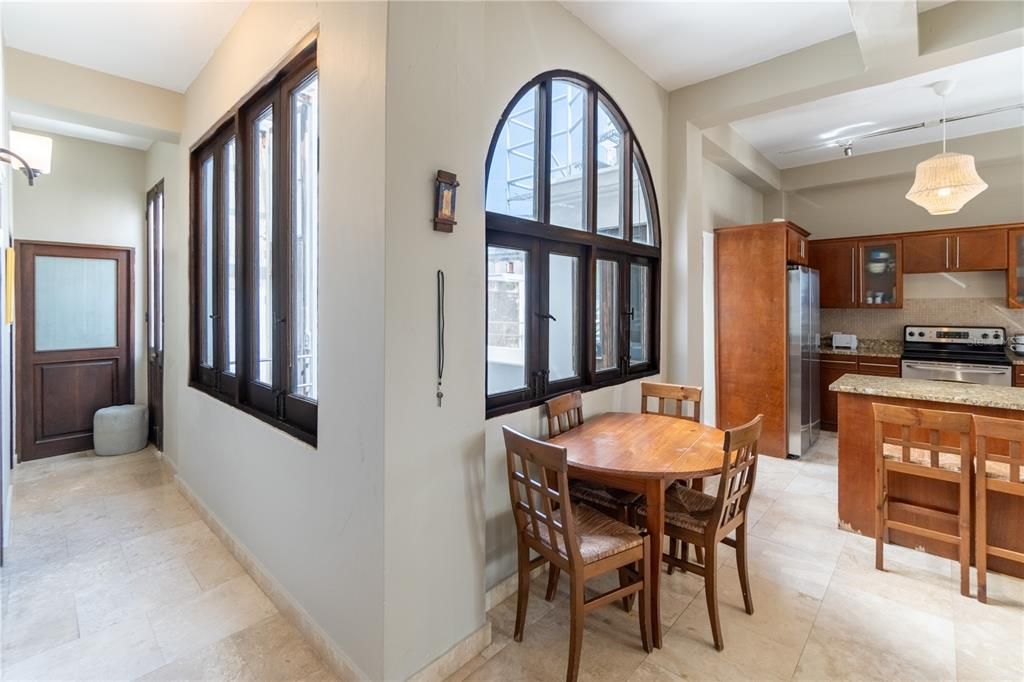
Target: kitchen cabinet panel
{"x":796,"y":247}
{"x":833,"y":366}
{"x":1015,"y":268}
{"x":836,"y":263}
{"x":880,"y":273}
{"x":972,"y":250}
{"x":926,"y":253}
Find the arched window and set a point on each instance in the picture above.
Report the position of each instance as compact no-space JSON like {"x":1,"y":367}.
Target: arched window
{"x":572,"y":246}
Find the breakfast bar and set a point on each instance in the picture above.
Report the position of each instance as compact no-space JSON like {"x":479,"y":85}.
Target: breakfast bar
{"x":856,"y":395}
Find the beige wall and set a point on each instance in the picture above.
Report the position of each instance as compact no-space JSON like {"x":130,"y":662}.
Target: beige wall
{"x":94,"y":194}
{"x":6,"y":351}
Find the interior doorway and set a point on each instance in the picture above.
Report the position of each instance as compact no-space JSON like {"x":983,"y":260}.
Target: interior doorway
{"x":74,"y":345}
{"x":155,"y":311}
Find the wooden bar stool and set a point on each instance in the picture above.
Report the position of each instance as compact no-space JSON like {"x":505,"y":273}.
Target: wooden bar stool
{"x":936,"y":459}
{"x":671,"y":400}
{"x":577,"y":539}
{"x":996,"y":473}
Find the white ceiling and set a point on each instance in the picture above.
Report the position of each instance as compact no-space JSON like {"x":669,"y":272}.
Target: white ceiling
{"x":160,"y":43}
{"x":680,"y":43}
{"x":981,"y":84}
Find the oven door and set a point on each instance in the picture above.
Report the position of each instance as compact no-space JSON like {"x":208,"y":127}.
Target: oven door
{"x":993,"y":375}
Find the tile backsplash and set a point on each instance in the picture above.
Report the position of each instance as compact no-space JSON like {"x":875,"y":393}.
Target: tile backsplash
{"x":888,"y":323}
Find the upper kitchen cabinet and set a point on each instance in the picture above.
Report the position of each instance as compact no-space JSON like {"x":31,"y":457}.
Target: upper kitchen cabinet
{"x":836,"y":263}
{"x":1015,"y":267}
{"x":881,"y":273}
{"x":796,"y":245}
{"x":965,"y":250}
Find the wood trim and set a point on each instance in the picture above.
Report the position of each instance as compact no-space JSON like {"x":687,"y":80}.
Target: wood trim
{"x":921,"y":233}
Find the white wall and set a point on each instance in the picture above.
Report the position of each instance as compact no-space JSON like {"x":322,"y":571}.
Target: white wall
{"x":94,"y":194}
{"x":6,"y":330}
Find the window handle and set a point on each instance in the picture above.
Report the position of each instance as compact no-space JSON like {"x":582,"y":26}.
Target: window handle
{"x":628,"y":313}
{"x":546,"y":316}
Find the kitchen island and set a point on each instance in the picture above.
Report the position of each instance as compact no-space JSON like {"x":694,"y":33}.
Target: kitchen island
{"x":857,"y":393}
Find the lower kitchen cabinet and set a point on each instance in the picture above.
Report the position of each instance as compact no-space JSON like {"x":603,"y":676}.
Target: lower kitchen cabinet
{"x":834,"y":365}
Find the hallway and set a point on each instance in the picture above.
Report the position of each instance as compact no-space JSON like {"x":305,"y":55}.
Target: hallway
{"x":111,"y":574}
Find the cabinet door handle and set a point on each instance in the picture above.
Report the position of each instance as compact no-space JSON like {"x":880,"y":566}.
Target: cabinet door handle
{"x":947,"y":253}
{"x":958,"y":252}
{"x":853,"y":275}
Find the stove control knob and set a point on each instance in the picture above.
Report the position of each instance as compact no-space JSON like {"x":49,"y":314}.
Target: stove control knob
{"x":996,"y":336}
{"x":985,"y":335}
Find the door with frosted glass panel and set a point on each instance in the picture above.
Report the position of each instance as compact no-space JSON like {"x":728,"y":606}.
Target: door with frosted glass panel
{"x":74,"y":345}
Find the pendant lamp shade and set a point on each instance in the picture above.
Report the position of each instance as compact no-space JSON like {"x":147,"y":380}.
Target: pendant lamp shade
{"x":945,"y":182}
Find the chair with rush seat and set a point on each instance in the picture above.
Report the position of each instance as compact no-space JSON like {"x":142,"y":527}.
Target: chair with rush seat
{"x":936,"y":459}
{"x":705,"y":521}
{"x":995,"y":473}
{"x":579,"y":540}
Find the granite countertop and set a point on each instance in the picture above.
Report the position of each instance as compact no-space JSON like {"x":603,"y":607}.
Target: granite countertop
{"x":1003,"y":397}
{"x":887,"y":348}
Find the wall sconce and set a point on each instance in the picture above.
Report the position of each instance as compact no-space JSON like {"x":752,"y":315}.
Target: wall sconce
{"x":36,"y":152}
{"x":444,"y":211}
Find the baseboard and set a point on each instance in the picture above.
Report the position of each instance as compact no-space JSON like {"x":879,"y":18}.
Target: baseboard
{"x":506,"y":588}
{"x":166,"y":461}
{"x":340,"y":664}
{"x":449,"y":662}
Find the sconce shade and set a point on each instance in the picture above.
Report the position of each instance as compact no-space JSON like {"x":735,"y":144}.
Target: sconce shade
{"x":36,"y":150}
{"x":945,"y":182}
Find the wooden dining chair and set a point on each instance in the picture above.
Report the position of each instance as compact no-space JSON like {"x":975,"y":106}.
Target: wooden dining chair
{"x":936,"y":458}
{"x":995,"y":473}
{"x":672,"y":398}
{"x":705,"y":520}
{"x":579,"y":540}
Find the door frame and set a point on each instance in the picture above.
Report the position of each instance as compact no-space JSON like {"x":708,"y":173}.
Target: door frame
{"x":154,"y":319}
{"x":24,"y":331}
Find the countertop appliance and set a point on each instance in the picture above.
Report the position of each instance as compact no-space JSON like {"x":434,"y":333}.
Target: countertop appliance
{"x":844,"y":341}
{"x":969,"y":355}
{"x":803,"y":412}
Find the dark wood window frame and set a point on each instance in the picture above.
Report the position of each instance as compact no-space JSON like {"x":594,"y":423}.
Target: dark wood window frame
{"x":540,"y":237}
{"x":273,"y":403}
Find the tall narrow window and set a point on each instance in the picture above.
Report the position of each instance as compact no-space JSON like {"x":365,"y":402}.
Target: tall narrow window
{"x":264,"y":184}
{"x":639,"y":310}
{"x":606,"y":313}
{"x":568,"y":154}
{"x":563,"y":317}
{"x":207,"y":275}
{"x":610,"y":167}
{"x":304,"y":238}
{"x":506,"y":319}
{"x":230,"y":272}
{"x":643,"y":230}
{"x":512,"y":179}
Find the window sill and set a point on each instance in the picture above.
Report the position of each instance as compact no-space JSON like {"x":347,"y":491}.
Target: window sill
{"x":534,"y":402}
{"x":291,"y":430}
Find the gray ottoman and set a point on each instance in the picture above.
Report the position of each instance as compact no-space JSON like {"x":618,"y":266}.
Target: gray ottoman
{"x":120,"y":429}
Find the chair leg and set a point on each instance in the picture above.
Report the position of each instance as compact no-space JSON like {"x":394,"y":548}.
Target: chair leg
{"x":879,"y":513}
{"x":741,"y":563}
{"x":645,"y":595}
{"x":965,"y":535}
{"x":673,"y":551}
{"x":981,"y":546}
{"x":575,"y":627}
{"x":698,"y":553}
{"x":710,"y":592}
{"x":624,"y":579}
{"x":553,"y":574}
{"x":524,"y":592}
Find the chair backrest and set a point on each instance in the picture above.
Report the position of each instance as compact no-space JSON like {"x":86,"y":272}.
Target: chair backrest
{"x":1011,"y":432}
{"x":564,"y":412}
{"x":534,"y":469}
{"x":739,"y":467}
{"x":911,"y":421}
{"x":671,"y":392}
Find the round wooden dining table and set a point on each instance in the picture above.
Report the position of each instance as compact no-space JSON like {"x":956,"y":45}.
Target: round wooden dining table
{"x":643,"y":453}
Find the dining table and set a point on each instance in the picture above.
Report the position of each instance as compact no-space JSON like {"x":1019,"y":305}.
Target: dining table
{"x":644,"y":453}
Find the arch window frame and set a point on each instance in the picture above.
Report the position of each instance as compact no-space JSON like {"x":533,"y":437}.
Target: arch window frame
{"x":538,"y":239}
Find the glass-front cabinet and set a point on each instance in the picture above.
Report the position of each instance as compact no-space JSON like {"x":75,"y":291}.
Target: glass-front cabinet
{"x":1015,"y":268}
{"x":881,"y":276}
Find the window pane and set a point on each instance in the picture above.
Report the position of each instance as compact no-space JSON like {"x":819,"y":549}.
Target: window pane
{"x":511,"y":178}
{"x":206,"y":197}
{"x":305,"y":128}
{"x":264,"y":153}
{"x":639,"y":307}
{"x":151,"y":273}
{"x":76,"y":303}
{"x":506,"y":319}
{"x":568,"y":116}
{"x":563,"y":330}
{"x":606,"y":313}
{"x":160,"y":269}
{"x":231,"y":274}
{"x":643,"y":230}
{"x":610,"y":155}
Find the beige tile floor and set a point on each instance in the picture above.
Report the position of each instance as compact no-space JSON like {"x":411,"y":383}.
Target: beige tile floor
{"x":822,"y":611}
{"x":112,"y":575}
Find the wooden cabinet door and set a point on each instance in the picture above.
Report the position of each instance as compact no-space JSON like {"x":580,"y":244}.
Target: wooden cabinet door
{"x":878,"y":366}
{"x":835,"y":262}
{"x":880,"y":273}
{"x":927,"y":253}
{"x":978,"y":250}
{"x":1015,"y":268}
{"x":796,"y":248}
{"x":832,"y":368}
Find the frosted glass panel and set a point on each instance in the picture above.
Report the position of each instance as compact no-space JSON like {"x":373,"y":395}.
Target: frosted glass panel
{"x":76,"y":303}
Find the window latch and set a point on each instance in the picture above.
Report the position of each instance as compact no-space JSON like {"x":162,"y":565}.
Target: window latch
{"x":546,"y":316}
{"x":629,"y":314}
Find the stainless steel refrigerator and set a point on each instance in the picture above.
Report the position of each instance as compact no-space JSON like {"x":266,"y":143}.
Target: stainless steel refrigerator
{"x":803,"y":413}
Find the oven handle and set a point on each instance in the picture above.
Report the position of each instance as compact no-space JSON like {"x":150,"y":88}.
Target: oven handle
{"x":965,"y":369}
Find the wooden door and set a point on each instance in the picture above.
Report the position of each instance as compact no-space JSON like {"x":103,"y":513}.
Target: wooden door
{"x":155,"y":312}
{"x":74,"y":344}
{"x":880,"y":273}
{"x":832,"y":368}
{"x":796,"y":247}
{"x":979,"y":250}
{"x":927,"y":253}
{"x":835,"y":262}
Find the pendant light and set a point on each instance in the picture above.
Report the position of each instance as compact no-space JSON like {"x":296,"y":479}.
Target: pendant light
{"x":944,"y":183}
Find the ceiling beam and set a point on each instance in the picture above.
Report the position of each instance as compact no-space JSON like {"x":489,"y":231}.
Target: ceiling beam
{"x":949,"y":34}
{"x":724,"y":147}
{"x":886,"y":31}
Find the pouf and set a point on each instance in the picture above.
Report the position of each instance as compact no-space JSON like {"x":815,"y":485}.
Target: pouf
{"x":120,"y":429}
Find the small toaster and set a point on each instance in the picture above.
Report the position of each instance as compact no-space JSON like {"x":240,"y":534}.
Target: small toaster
{"x":844,"y":341}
